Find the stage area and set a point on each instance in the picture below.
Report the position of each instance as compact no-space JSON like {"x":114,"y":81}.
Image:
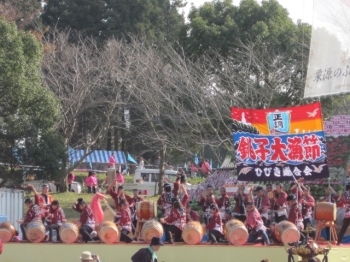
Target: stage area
{"x":19,"y":252}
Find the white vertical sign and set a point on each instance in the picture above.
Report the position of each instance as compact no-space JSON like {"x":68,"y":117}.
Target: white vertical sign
{"x":329,"y":60}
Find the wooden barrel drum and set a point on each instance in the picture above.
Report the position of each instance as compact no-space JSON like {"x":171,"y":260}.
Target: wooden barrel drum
{"x":69,"y":233}
{"x":146,"y":210}
{"x":236,"y":233}
{"x":192,"y":233}
{"x":35,"y":231}
{"x":7,"y":231}
{"x":108,"y":232}
{"x":150,"y":229}
{"x":325,"y":211}
{"x":287,"y":232}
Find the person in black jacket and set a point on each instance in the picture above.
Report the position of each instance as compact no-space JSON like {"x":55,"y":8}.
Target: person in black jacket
{"x":148,"y":254}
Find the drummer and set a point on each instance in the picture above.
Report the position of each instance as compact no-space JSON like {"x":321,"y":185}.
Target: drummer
{"x":175,"y":222}
{"x":117,"y":198}
{"x":164,"y":201}
{"x":295,"y":215}
{"x":255,"y":223}
{"x":214,"y":227}
{"x":33,"y":214}
{"x":176,"y":184}
{"x":135,"y":199}
{"x":261,"y":203}
{"x":55,"y":218}
{"x":345,"y":199}
{"x":125,"y":221}
{"x":191,"y":215}
{"x":43,"y":200}
{"x":240,"y":200}
{"x":86,"y":222}
{"x":205,"y":200}
{"x":280,"y":204}
{"x":308,"y":203}
{"x":223,"y":202}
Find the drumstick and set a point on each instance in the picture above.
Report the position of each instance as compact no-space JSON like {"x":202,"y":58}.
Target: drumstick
{"x":109,"y":207}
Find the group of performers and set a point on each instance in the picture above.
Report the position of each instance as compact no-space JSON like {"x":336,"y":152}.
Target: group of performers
{"x":258,"y":208}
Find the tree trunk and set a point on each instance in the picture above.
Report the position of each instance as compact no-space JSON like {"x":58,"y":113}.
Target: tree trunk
{"x":161,"y":170}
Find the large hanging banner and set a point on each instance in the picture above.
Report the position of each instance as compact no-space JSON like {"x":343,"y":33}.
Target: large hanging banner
{"x":279,"y":158}
{"x":277,"y":121}
{"x":329,"y":59}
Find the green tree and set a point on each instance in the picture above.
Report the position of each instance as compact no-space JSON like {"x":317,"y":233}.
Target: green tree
{"x":154,"y":19}
{"x":26,"y":108}
{"x":259,"y":55}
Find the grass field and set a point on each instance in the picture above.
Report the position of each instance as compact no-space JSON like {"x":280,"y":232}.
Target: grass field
{"x":66,"y":199}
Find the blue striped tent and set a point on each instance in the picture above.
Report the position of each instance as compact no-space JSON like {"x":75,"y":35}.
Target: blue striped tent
{"x":97,"y":156}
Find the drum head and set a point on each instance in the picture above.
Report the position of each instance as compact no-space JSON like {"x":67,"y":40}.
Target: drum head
{"x":149,"y":233}
{"x":109,"y":235}
{"x":290,"y":235}
{"x":35,"y":235}
{"x":68,"y":235}
{"x":5,"y":235}
{"x":192,"y":236}
{"x":238,"y":236}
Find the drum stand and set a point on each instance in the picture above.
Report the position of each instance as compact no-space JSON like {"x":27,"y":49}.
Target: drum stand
{"x":333,"y":232}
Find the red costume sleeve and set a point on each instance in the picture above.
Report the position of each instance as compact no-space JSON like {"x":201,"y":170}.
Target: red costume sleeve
{"x":172,"y":216}
{"x":29,"y":216}
{"x":129,"y":199}
{"x":37,"y":199}
{"x":113,"y":194}
{"x":84,"y":216}
{"x":281,"y":200}
{"x":265,"y":201}
{"x":194,"y":216}
{"x":215,"y":219}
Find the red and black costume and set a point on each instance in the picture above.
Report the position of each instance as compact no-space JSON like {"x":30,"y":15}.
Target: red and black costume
{"x":118,"y":202}
{"x":215,"y":227}
{"x":175,"y":222}
{"x":205,"y":203}
{"x":87,"y":222}
{"x":125,"y":223}
{"x":43,"y":201}
{"x":295,"y":216}
{"x":133,"y":204}
{"x":33,"y":214}
{"x":345,"y":200}
{"x":192,"y":216}
{"x":223,"y":204}
{"x":239,"y":209}
{"x":261,"y":203}
{"x":280,"y":207}
{"x":56,"y":218}
{"x":164,"y":201}
{"x":255,"y":224}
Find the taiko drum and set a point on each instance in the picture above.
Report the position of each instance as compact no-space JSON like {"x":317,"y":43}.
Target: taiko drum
{"x":325,"y":211}
{"x":108,"y":232}
{"x":146,"y":210}
{"x":35,"y":231}
{"x":236,"y":233}
{"x":287,"y":232}
{"x":7,"y":231}
{"x":69,"y":233}
{"x":150,"y":229}
{"x":192,"y":233}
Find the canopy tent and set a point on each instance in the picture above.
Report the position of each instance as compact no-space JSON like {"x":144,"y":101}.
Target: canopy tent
{"x":97,"y":156}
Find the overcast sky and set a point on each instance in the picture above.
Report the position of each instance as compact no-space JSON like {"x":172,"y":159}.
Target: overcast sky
{"x":298,"y":9}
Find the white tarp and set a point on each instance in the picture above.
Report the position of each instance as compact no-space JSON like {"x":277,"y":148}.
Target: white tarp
{"x":329,"y":60}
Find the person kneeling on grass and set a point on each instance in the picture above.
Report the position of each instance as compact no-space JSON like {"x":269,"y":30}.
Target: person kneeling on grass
{"x":256,"y":224}
{"x":215,"y":225}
